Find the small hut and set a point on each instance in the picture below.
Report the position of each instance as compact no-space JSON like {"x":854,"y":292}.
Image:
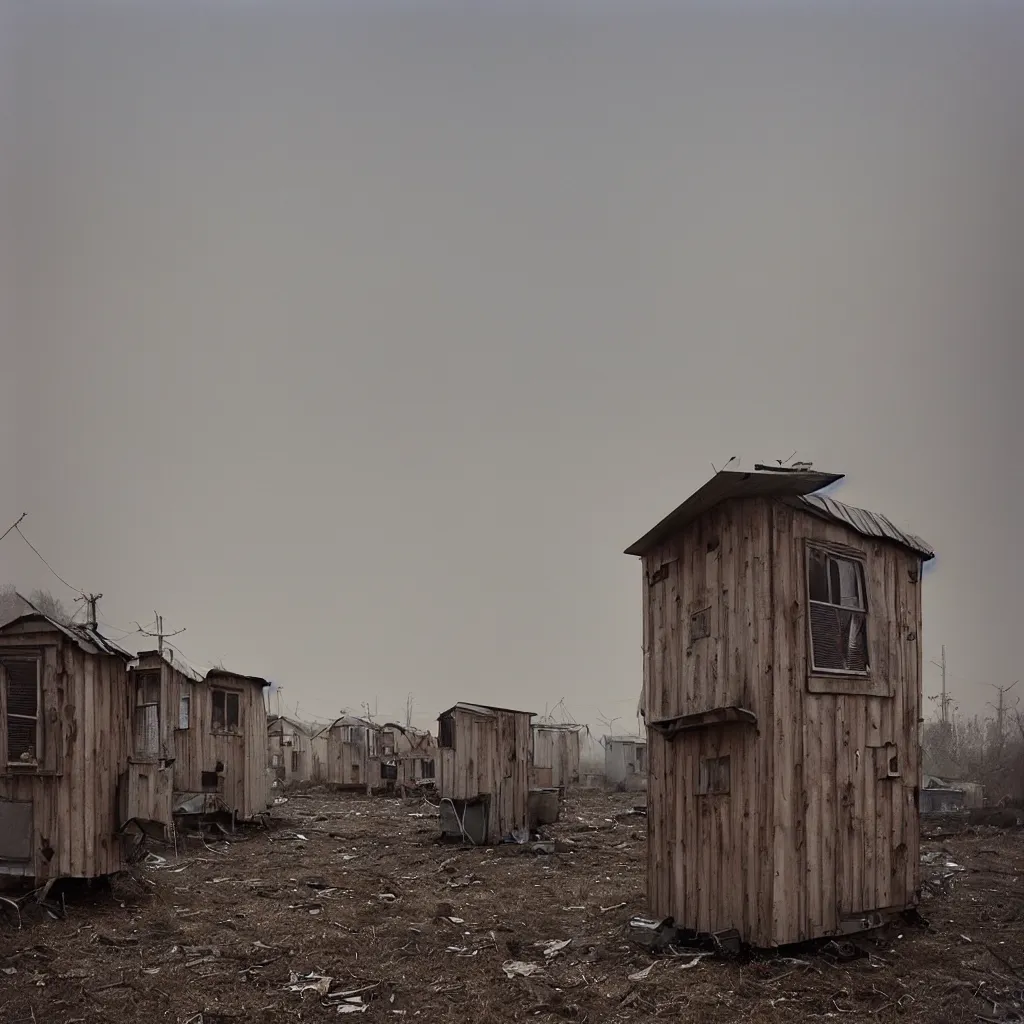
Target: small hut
{"x":64,"y":742}
{"x":199,"y":743}
{"x":937,"y":796}
{"x":625,"y":762}
{"x":782,"y":689}
{"x":408,"y":756}
{"x":484,"y":755}
{"x":290,"y":750}
{"x":555,"y":760}
{"x":353,"y":753}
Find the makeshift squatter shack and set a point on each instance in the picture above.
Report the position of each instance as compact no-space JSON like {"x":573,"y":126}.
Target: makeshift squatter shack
{"x":782,"y":693}
{"x":199,"y":744}
{"x":625,"y":762}
{"x":64,"y":740}
{"x":484,"y":755}
{"x":556,"y":755}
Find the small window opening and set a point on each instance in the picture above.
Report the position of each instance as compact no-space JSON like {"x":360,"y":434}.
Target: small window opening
{"x":209,"y":781}
{"x":714,"y":776}
{"x":700,"y":624}
{"x":295,"y":760}
{"x":147,"y":713}
{"x":23,"y":735}
{"x":225,"y":710}
{"x":427,"y":770}
{"x":838,"y":613}
{"x":184,"y":710}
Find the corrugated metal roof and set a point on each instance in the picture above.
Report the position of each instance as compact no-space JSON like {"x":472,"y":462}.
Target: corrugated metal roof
{"x":624,"y":739}
{"x":731,"y":483}
{"x":794,"y":486}
{"x":867,"y":524}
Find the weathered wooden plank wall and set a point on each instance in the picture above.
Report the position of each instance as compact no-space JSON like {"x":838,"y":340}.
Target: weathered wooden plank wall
{"x":808,"y":833}
{"x":491,"y":759}
{"x":85,"y":747}
{"x":240,"y":751}
{"x":557,"y":750}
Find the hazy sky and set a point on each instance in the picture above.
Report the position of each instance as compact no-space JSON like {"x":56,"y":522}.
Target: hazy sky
{"x":361,"y":339}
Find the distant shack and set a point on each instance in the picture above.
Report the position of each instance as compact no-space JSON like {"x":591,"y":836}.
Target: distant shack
{"x":484,"y":754}
{"x":290,"y":748}
{"x":555,"y":760}
{"x":625,"y":762}
{"x":408,"y":756}
{"x":353,"y":753}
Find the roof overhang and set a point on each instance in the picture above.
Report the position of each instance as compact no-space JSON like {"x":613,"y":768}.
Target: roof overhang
{"x":729,"y":483}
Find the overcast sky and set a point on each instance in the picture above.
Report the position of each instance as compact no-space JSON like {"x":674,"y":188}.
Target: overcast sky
{"x":359,"y":340}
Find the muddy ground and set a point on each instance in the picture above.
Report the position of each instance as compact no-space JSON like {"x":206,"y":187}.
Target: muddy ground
{"x":347,"y":895}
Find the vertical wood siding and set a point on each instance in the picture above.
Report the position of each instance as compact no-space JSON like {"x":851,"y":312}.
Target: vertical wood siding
{"x":491,"y":759}
{"x":807,"y":834}
{"x":557,"y":751}
{"x":85,"y":712}
{"x":242,"y":752}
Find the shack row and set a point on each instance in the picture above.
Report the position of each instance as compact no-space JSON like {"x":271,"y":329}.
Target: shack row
{"x":98,"y":747}
{"x":350,"y":753}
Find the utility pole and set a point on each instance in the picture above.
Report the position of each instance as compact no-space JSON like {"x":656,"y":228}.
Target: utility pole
{"x":408,"y":711}
{"x":944,"y":700}
{"x":159,"y":634}
{"x":90,"y":600}
{"x":1000,"y":710}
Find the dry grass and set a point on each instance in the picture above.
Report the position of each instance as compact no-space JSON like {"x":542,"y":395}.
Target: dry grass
{"x":368,"y":898}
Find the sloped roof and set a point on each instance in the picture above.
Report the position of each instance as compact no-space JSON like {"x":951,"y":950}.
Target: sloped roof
{"x":624,"y":739}
{"x":89,"y":640}
{"x":559,"y":726}
{"x":224,"y":673}
{"x":867,"y":524}
{"x":176,"y":662}
{"x":304,"y":727}
{"x":796,"y":487}
{"x":484,"y":710}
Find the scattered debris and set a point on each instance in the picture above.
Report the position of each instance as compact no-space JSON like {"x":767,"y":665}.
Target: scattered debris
{"x":521,"y":969}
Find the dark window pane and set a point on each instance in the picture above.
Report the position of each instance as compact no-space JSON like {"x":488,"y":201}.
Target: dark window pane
{"x":218,"y":709}
{"x":232,"y":710}
{"x":22,"y":691}
{"x":817,"y":575}
{"x":21,"y":739}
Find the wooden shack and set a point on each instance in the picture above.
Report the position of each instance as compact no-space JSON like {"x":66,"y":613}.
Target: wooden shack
{"x":290,"y":751}
{"x":484,"y":756}
{"x":625,"y":762}
{"x":199,"y":743}
{"x":782,"y":687}
{"x":64,"y":742}
{"x":408,"y":756}
{"x":353,"y":753}
{"x":555,"y":756}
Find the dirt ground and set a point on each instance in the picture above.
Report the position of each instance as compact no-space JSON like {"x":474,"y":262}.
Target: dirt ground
{"x":348,"y":895}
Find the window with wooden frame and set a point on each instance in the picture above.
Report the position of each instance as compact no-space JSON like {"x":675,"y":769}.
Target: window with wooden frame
{"x":226,"y":710}
{"x":388,"y":743}
{"x":23,"y":703}
{"x":837,"y":613}
{"x":146,"y":721}
{"x":713,"y":776}
{"x":426,"y":769}
{"x":295,"y":760}
{"x":185,"y":708}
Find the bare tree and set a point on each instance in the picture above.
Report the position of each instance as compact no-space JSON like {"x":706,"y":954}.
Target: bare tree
{"x":50,"y":605}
